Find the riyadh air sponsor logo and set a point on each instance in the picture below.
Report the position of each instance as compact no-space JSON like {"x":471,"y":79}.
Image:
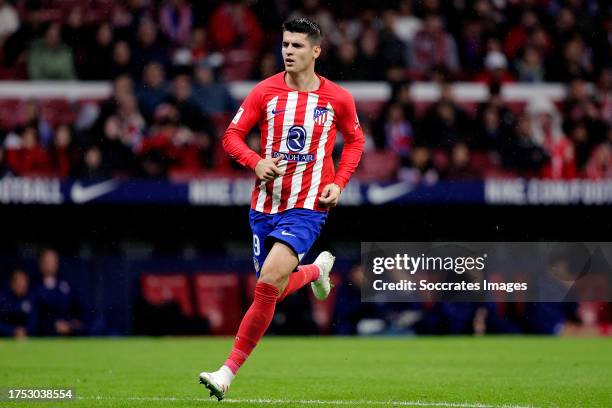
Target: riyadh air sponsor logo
{"x":295,"y":157}
{"x":80,"y":194}
{"x":378,"y":194}
{"x":296,"y":138}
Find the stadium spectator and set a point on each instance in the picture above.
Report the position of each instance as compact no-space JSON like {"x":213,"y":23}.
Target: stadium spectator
{"x":496,"y":70}
{"x":368,"y":55}
{"x":122,"y":62}
{"x":175,"y":20}
{"x":9,"y":20}
{"x":599,"y":165}
{"x":115,"y":157}
{"x":529,"y":66}
{"x":152,"y":91}
{"x":445,"y":123}
{"x":604,"y":95}
{"x":392,"y":52}
{"x":581,"y":107}
{"x":518,"y":36}
{"x":74,"y":32}
{"x":131,"y":123}
{"x":199,"y":45}
{"x":432,"y":46}
{"x":267,"y":67}
{"x":148,"y":46}
{"x":565,"y":26}
{"x":58,"y":310}
{"x":181,"y":97}
{"x":233,"y":26}
{"x":4,"y":169}
{"x":99,"y":63}
{"x":522,"y":153}
{"x":492,"y":133}
{"x":174,"y":147}
{"x":213,"y":97}
{"x":420,"y":168}
{"x":574,"y":61}
{"x":17,"y":311}
{"x":123,"y":85}
{"x":460,"y":165}
{"x":471,"y":45}
{"x":91,"y":167}
{"x":27,"y":157}
{"x":547,"y":133}
{"x":345,"y":64}
{"x":399,"y":134}
{"x":50,"y":58}
{"x":61,"y":154}
{"x":406,"y":24}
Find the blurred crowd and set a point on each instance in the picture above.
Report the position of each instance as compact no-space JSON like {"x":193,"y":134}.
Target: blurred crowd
{"x":170,"y":61}
{"x":41,"y":301}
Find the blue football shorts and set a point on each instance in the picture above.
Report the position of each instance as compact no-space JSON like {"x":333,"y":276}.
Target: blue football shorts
{"x":297,"y":228}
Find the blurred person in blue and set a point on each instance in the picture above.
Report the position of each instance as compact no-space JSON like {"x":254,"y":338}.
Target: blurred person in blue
{"x":58,"y":310}
{"x":351,"y":315}
{"x":17,"y":312}
{"x":212,"y":96}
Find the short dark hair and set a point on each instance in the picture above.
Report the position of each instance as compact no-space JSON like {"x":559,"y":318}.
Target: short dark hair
{"x":305,"y":26}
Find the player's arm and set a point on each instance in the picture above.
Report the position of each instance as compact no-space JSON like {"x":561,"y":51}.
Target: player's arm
{"x":247,"y":116}
{"x":348,"y":124}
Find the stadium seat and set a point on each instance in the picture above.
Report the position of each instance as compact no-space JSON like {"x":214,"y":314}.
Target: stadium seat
{"x":218,"y":300}
{"x":378,"y":166}
{"x":56,"y":111}
{"x":370,"y":109}
{"x":10,"y":112}
{"x":160,"y":289}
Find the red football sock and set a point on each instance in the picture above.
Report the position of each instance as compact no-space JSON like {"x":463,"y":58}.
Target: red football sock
{"x":304,"y":275}
{"x":254,"y":324}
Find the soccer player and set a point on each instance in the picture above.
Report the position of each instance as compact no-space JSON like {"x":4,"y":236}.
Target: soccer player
{"x":298,"y":113}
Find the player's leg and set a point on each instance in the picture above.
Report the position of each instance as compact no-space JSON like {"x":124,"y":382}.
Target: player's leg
{"x":219,"y":381}
{"x":279,"y":264}
{"x":316,"y":273}
{"x":299,"y":229}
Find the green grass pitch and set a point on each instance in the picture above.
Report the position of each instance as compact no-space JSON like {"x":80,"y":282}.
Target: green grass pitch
{"x":318,"y":372}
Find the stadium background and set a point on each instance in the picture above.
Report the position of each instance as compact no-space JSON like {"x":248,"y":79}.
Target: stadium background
{"x":485,"y":120}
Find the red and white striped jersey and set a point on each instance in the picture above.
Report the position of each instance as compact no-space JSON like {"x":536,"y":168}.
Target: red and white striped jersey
{"x":301,"y":128}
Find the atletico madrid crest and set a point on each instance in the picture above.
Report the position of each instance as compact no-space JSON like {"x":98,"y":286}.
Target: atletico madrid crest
{"x":320,"y":115}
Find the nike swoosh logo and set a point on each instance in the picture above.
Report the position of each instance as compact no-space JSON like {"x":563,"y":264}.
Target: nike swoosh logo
{"x":283,"y":232}
{"x":379,"y":195}
{"x":275,"y":112}
{"x":80,"y":194}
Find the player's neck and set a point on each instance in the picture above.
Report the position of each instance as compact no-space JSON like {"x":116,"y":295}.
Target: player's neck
{"x":304,"y":81}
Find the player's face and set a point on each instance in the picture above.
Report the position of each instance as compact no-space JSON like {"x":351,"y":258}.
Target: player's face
{"x":299,"y":54}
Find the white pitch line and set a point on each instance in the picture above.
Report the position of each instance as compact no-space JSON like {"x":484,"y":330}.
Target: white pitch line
{"x":314,"y":402}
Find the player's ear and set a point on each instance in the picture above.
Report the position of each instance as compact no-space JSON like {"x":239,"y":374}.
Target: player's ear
{"x":316,"y":51}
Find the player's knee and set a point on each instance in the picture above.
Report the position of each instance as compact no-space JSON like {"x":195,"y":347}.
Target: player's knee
{"x":273,"y":276}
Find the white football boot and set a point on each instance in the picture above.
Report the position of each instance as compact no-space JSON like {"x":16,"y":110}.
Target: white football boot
{"x":217,"y":382}
{"x":322,"y":286}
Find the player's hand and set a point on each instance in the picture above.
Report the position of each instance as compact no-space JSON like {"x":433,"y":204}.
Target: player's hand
{"x":267,"y":169}
{"x":330,"y":195}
